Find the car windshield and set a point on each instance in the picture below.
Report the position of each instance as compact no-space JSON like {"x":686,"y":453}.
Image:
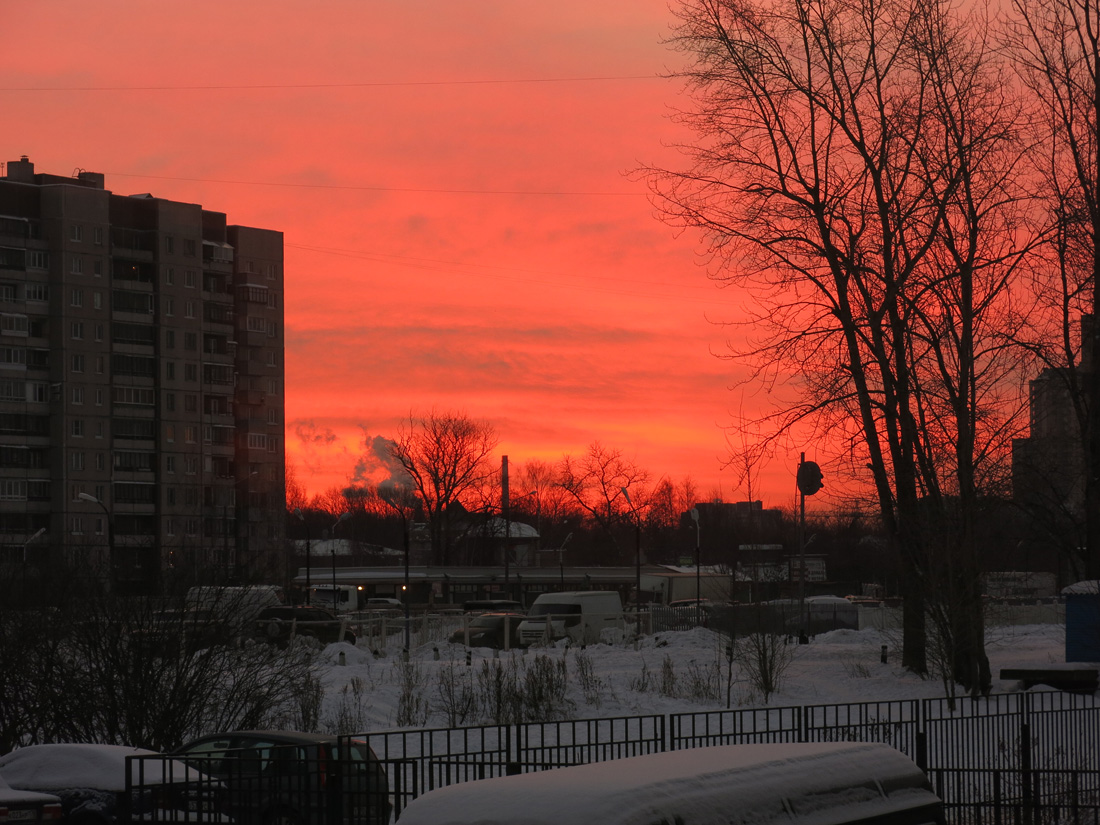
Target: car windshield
{"x":555,"y":610}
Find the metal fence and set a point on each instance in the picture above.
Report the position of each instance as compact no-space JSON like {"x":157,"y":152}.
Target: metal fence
{"x":1023,"y":758}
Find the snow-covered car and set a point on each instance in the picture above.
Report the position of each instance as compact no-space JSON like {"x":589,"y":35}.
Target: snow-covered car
{"x":90,"y":781}
{"x":489,"y":630}
{"x":27,"y":807}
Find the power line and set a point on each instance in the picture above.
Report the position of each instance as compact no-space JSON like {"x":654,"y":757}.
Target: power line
{"x":374,"y":188}
{"x":375,"y":85}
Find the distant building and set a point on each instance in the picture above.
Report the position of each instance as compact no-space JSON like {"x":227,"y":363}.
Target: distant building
{"x":141,"y":382}
{"x":1048,"y":467}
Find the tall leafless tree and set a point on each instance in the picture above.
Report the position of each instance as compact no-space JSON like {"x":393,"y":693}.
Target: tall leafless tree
{"x":445,"y":455}
{"x":851,"y":171}
{"x":1056,"y":46}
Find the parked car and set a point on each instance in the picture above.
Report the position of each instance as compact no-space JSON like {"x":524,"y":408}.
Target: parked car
{"x":90,"y":781}
{"x":488,"y":630}
{"x":383,"y":603}
{"x":27,"y":807}
{"x":282,"y":623}
{"x":290,"y":778}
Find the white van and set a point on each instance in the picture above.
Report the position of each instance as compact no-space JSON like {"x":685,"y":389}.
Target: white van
{"x":819,"y":783}
{"x":581,"y":615}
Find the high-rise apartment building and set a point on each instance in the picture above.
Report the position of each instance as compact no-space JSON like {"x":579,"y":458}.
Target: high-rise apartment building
{"x":141,"y":383}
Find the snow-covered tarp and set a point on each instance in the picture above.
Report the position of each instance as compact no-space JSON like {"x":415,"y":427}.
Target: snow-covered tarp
{"x":813,"y":783}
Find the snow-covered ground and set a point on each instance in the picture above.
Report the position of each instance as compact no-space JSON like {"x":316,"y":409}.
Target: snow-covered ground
{"x":664,"y":675}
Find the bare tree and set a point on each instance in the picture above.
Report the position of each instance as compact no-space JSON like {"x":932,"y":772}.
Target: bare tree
{"x":851,"y":170}
{"x":596,"y":482}
{"x":445,"y":455}
{"x":1056,"y":46}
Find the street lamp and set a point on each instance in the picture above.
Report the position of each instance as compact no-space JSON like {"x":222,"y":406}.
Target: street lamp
{"x":110,"y":532}
{"x":637,"y":556}
{"x":335,"y":593}
{"x":302,"y":518}
{"x":31,"y":540}
{"x":698,"y":588}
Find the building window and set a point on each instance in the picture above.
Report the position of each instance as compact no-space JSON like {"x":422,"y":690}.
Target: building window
{"x":190,"y":340}
{"x":13,"y":356}
{"x":76,"y":233}
{"x":99,"y":429}
{"x":97,"y":268}
{"x":272,"y":416}
{"x":97,"y":236}
{"x":78,"y":395}
{"x":78,"y":428}
{"x":170,"y":401}
{"x":170,"y":339}
{"x":36,"y":259}
{"x":77,"y":363}
{"x":99,"y":364}
{"x":189,"y":247}
{"x":169,"y":307}
{"x":189,"y":309}
{"x":37,"y":292}
{"x":77,"y":265}
{"x":169,"y":244}
{"x":99,"y":398}
{"x":170,"y":464}
{"x":170,"y":496}
{"x":99,"y":463}
{"x":97,"y":300}
{"x":169,"y":276}
{"x":76,"y":525}
{"x":189,"y":278}
{"x":76,"y":460}
{"x":169,"y":526}
{"x":190,"y":464}
{"x":257,"y":441}
{"x":99,"y":332}
{"x":170,"y":370}
{"x":76,"y":298}
{"x":191,"y":372}
{"x":77,"y":330}
{"x":12,"y":324}
{"x":191,"y":403}
{"x":13,"y":490}
{"x":170,"y":433}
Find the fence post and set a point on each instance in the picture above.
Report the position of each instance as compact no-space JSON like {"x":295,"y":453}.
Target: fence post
{"x":1030,"y":813}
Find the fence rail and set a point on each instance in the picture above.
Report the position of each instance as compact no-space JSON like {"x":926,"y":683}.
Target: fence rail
{"x":1010,"y":759}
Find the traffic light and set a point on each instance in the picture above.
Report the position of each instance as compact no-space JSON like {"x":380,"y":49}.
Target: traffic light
{"x":809,"y":478}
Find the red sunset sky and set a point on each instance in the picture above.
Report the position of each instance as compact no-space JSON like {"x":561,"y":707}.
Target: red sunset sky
{"x":451,"y":181}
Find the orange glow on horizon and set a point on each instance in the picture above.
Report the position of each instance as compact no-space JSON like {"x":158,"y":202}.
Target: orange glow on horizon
{"x":452,"y":180}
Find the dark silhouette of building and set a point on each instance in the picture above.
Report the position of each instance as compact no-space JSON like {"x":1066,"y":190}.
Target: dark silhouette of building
{"x":141,"y":382}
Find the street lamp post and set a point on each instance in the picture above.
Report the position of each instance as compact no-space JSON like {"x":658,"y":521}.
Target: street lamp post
{"x":698,"y":580}
{"x":335,"y":593}
{"x":302,"y":518}
{"x":31,"y":540}
{"x":405,"y":594}
{"x":110,"y":532}
{"x":637,"y":556}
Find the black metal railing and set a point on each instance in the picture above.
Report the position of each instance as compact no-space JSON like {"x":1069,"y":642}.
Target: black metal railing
{"x":1023,"y":758}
